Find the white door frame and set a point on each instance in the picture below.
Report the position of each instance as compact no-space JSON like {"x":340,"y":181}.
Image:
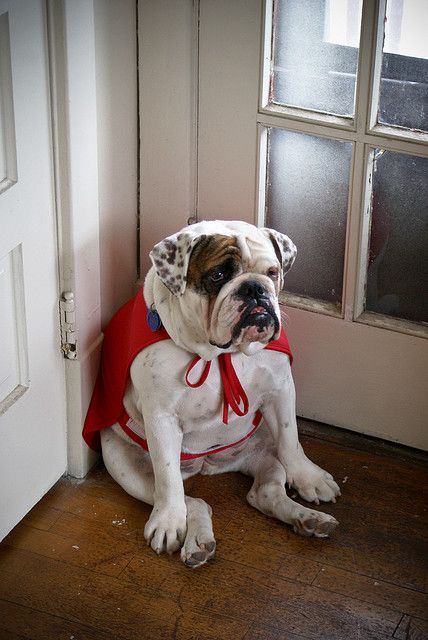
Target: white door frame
{"x":94,"y":120}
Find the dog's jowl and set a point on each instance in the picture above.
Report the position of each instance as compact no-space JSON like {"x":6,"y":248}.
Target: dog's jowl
{"x":196,"y":378}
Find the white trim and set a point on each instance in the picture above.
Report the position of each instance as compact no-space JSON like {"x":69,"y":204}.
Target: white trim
{"x":353,"y":252}
{"x":390,"y":142}
{"x":262,"y":161}
{"x":376,"y":64}
{"x":72,"y":55}
{"x":393,"y":324}
{"x":364,"y":237}
{"x":365,"y":68}
{"x":266,"y":52}
{"x":310,"y":304}
{"x":308,"y":115}
{"x":88,"y":181}
{"x":400,"y":133}
{"x":7,"y":115}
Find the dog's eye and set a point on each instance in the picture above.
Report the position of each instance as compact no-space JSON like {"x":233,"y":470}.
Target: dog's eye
{"x":217,"y":276}
{"x":272,"y":273}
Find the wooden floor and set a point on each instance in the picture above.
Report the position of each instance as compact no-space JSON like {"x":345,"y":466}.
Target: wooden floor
{"x":77,"y":567}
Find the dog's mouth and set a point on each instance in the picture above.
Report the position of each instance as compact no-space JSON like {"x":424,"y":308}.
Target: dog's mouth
{"x":257,"y":322}
{"x":260,"y":314}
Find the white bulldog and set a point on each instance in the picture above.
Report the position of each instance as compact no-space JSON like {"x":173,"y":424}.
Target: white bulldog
{"x":215,"y":287}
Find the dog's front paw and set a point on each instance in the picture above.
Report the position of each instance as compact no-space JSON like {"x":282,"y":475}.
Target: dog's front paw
{"x":166,"y":528}
{"x":312,"y":482}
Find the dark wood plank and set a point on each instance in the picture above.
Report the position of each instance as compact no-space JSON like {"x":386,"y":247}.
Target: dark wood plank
{"x":411,"y":629}
{"x":267,"y":633}
{"x":41,"y":517}
{"x":264,"y":599}
{"x":58,"y":589}
{"x":376,"y":591}
{"x":259,"y":557}
{"x":80,"y":544}
{"x":34,"y":625}
{"x":104,"y":603}
{"x":99,"y":499}
{"x":10,"y":635}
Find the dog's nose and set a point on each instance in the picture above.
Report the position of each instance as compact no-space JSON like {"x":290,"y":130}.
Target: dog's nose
{"x":251,"y":289}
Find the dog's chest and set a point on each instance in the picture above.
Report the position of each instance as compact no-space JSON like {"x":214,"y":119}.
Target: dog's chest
{"x":204,"y":405}
{"x":159,"y":383}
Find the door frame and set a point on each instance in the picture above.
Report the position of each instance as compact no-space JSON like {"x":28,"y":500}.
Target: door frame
{"x":95,"y":182}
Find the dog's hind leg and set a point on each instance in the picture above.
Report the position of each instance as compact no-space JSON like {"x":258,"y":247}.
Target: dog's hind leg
{"x":268,"y":495}
{"x":129,"y":465}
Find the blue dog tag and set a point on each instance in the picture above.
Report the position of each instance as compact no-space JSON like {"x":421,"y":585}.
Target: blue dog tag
{"x":153,"y":320}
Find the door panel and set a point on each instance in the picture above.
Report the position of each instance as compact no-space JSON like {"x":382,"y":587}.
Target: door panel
{"x":360,"y":377}
{"x":32,"y":401}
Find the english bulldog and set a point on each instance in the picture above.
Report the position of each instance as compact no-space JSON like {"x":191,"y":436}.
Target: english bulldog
{"x":217,"y":395}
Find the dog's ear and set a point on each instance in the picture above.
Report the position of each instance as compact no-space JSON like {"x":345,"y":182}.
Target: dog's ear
{"x":285,"y":248}
{"x":170,"y":258}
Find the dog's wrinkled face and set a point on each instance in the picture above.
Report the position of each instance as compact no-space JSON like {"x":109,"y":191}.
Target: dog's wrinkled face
{"x":241,"y":298}
{"x":231,"y":280}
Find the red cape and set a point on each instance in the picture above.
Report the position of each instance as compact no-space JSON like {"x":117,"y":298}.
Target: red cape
{"x":126,"y":335}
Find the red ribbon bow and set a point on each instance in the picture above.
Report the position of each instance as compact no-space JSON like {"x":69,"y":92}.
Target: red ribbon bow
{"x":233,"y":393}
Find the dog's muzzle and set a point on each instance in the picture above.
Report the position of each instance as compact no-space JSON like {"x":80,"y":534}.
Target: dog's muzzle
{"x":256,"y":308}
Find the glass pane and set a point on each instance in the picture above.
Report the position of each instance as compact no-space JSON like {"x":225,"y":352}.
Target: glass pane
{"x":403,"y":95}
{"x":307,"y":198}
{"x":315,"y":54}
{"x":397,"y":278}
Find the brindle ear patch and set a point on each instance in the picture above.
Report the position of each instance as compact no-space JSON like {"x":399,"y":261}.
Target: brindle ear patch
{"x":285,"y":248}
{"x":170,"y":258}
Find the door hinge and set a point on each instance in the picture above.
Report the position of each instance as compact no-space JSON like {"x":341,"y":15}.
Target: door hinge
{"x":67,"y":308}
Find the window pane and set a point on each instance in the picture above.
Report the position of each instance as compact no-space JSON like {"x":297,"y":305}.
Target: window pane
{"x":307,"y":198}
{"x":397,"y":279}
{"x":315,"y":54}
{"x":403,"y":95}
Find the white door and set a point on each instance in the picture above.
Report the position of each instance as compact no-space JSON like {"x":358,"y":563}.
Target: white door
{"x":32,"y":397}
{"x":285,"y":140}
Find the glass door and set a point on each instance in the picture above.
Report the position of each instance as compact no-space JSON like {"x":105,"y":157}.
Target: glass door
{"x":328,"y":143}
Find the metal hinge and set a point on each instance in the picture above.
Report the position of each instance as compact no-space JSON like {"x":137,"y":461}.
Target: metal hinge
{"x":67,"y":309}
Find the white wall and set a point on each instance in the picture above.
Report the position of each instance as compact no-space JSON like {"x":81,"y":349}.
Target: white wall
{"x":116,"y":89}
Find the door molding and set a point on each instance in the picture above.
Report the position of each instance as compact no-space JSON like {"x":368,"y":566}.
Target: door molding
{"x":95,"y":165}
{"x":168,"y":33}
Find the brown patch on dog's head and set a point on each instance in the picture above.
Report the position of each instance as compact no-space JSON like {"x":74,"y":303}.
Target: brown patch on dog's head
{"x":187,"y":258}
{"x":214,"y":260}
